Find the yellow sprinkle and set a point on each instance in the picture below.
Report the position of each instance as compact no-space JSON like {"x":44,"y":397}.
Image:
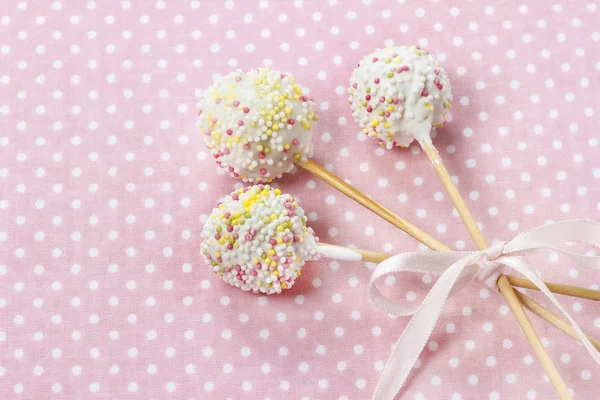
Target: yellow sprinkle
{"x":375,"y":122}
{"x":283,"y":286}
{"x":386,"y":125}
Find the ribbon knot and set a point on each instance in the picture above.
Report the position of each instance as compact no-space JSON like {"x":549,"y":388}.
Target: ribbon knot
{"x":458,"y":269}
{"x":490,"y":270}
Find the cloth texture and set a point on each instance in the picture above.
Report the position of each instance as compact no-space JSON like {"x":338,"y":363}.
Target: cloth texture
{"x":105,"y":183}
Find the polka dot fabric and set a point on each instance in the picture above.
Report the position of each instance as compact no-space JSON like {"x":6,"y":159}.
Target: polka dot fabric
{"x":105,"y":184}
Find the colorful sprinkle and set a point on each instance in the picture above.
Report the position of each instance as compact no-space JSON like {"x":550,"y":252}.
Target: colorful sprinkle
{"x":243,"y":111}
{"x":256,"y":253}
{"x":410,"y":97}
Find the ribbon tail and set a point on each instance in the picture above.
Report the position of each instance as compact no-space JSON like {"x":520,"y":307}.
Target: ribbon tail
{"x":417,"y":333}
{"x":519,"y":266}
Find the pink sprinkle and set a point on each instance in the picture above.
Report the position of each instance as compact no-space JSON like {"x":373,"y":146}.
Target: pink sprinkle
{"x":291,"y":121}
{"x":399,"y":69}
{"x":239,"y":277}
{"x":214,"y":120}
{"x":376,"y":80}
{"x":229,"y":246}
{"x":275,"y":258}
{"x":246,"y":110}
{"x":229,"y":132}
{"x":235,"y":235}
{"x":425,"y":93}
{"x":218,"y":101}
{"x":254,"y":273}
{"x":368,"y":97}
{"x":382,"y":99}
{"x":217,"y":236}
{"x":236,"y":103}
{"x":261,"y":155}
{"x":238,"y":78}
{"x":405,"y":68}
{"x":227,"y":214}
{"x":231,"y":170}
{"x":369,"y":109}
{"x":238,"y":268}
{"x":437,"y":71}
{"x":219,"y":260}
{"x":240,"y":123}
{"x":273,"y":242}
{"x":226,"y":151}
{"x":296,"y":239}
{"x":375,"y":59}
{"x":396,"y":100}
{"x":291,"y":214}
{"x":296,"y":142}
{"x":304,"y":98}
{"x":247,"y":146}
{"x":440,"y":86}
{"x":387,"y":113}
{"x":394,"y":55}
{"x":263,"y":171}
{"x":286,"y":238}
{"x":229,"y":228}
{"x":355,"y":85}
{"x":200,"y":112}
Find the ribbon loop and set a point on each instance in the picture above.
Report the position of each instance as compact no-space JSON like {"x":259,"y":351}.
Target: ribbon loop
{"x":456,"y":270}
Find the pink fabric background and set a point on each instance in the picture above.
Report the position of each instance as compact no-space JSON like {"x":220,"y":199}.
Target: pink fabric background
{"x":105,"y":183}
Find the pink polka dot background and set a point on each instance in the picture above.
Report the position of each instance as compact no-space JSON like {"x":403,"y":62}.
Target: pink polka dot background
{"x":105,"y":184}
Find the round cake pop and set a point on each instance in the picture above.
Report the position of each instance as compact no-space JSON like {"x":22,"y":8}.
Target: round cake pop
{"x":257,"y":123}
{"x":257,"y":239}
{"x":398,"y":94}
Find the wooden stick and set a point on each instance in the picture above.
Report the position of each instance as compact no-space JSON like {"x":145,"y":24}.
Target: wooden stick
{"x":554,"y":319}
{"x":372,"y":205}
{"x":567,"y":290}
{"x":412,"y":230}
{"x":503,"y":284}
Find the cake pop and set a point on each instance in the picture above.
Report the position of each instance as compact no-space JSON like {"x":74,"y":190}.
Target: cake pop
{"x":257,"y":239}
{"x":398,"y":94}
{"x":257,"y":123}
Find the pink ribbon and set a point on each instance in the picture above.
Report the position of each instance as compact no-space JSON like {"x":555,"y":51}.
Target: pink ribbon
{"x":456,"y":270}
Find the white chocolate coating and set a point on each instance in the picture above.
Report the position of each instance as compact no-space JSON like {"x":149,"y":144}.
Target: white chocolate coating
{"x":399,"y":94}
{"x":257,"y":239}
{"x":257,"y":123}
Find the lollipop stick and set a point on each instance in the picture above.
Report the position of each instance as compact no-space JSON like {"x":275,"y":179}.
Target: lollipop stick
{"x":553,"y":319}
{"x":361,"y":198}
{"x":344,"y":253}
{"x":503,"y":284}
{"x":416,"y":232}
{"x":567,"y":290}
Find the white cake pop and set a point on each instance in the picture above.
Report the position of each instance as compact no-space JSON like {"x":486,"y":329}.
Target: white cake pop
{"x":399,"y":94}
{"x":257,"y":123}
{"x":257,"y":239}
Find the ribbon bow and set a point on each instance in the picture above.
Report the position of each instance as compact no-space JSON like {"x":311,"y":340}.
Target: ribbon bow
{"x":456,"y":270}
